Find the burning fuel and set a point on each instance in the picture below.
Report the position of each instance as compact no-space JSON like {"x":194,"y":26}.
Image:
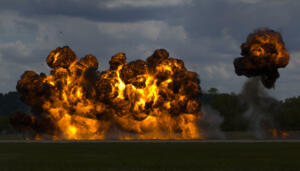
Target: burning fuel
{"x":263,"y":53}
{"x":279,"y":134}
{"x":153,"y":99}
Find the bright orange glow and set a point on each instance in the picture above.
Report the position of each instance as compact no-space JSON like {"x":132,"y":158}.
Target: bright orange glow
{"x":279,"y":134}
{"x":263,"y":54}
{"x":152,"y":99}
{"x":259,"y":49}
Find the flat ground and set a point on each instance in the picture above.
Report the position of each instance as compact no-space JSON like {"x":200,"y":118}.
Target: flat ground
{"x":239,"y":156}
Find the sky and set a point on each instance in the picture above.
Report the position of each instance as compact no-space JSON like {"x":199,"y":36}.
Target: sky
{"x":205,"y":34}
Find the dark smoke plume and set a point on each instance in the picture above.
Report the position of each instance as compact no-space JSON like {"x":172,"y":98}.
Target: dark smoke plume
{"x":263,"y":53}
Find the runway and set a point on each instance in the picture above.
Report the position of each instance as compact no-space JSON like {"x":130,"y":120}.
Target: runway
{"x":153,"y":141}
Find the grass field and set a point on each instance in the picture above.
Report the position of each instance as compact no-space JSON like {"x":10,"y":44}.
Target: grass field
{"x":150,"y":156}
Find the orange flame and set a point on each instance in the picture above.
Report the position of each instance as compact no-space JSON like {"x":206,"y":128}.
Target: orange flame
{"x":279,"y":134}
{"x":263,"y":53}
{"x":153,"y":99}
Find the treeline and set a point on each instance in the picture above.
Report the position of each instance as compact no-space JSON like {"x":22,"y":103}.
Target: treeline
{"x":10,"y":103}
{"x":285,"y":114}
{"x":229,"y":107}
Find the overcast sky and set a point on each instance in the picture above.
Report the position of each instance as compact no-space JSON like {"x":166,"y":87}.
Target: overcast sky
{"x":206,"y":34}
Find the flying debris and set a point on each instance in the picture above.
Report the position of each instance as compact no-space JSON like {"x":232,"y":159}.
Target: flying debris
{"x":153,"y":99}
{"x":263,"y":53}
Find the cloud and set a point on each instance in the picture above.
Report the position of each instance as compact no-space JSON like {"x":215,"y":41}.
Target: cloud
{"x":144,"y":3}
{"x":102,"y":39}
{"x":294,"y":60}
{"x":218,"y":71}
{"x":206,"y":34}
{"x":15,"y":49}
{"x":151,"y":30}
{"x":255,"y":2}
{"x":247,"y":1}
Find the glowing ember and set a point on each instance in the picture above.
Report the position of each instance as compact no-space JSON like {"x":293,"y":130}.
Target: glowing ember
{"x":153,"y":99}
{"x":279,"y":134}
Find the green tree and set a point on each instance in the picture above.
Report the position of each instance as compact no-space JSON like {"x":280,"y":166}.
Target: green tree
{"x":231,"y":110}
{"x":10,"y":103}
{"x":213,"y":90}
{"x":289,"y":116}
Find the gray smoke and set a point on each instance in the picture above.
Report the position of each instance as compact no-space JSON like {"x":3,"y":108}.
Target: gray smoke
{"x":211,"y":122}
{"x":261,"y":107}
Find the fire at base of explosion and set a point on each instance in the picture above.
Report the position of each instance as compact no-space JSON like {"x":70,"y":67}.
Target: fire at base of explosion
{"x":150,"y":156}
{"x":156,"y":98}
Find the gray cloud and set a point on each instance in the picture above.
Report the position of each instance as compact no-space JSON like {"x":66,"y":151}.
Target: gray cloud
{"x":205,"y":34}
{"x":144,"y":3}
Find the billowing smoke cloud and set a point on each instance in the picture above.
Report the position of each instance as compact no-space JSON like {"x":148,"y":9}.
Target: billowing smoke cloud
{"x":153,"y":99}
{"x":263,"y":53}
{"x":261,"y":108}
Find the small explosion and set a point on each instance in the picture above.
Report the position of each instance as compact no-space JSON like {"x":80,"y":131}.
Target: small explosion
{"x":153,"y":99}
{"x":263,"y":53}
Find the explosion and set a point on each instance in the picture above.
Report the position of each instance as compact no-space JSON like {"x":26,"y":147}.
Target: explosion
{"x":263,"y":53}
{"x":153,"y":99}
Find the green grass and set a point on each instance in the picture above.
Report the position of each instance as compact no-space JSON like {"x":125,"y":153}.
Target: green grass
{"x":150,"y":156}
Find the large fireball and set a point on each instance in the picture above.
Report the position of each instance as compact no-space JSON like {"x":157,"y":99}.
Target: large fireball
{"x":153,"y":99}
